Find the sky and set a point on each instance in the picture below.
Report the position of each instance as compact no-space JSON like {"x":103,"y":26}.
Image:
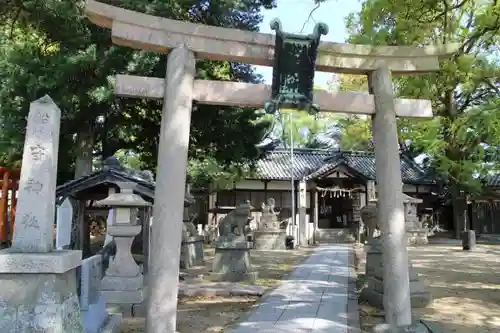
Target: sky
{"x":294,"y":13}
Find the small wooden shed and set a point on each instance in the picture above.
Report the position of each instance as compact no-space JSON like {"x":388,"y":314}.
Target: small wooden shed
{"x":85,"y":191}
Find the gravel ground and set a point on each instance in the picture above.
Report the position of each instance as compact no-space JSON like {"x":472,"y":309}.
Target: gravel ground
{"x":465,"y":289}
{"x":213,"y":314}
{"x":201,"y":315}
{"x":271,"y":265}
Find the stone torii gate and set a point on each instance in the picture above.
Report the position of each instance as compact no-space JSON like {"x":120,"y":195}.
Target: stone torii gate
{"x":186,"y":41}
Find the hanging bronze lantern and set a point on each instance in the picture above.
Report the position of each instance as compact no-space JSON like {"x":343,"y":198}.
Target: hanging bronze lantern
{"x":293,"y":70}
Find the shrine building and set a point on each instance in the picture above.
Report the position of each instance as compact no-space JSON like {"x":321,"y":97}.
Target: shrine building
{"x":337,"y":185}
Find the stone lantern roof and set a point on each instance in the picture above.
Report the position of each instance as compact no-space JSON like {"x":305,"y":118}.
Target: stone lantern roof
{"x":411,"y":200}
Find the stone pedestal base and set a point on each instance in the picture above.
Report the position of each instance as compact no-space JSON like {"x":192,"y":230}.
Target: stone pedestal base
{"x":417,"y":236}
{"x":192,"y":252}
{"x":38,"y":292}
{"x":417,"y":327}
{"x":123,"y":289}
{"x":232,"y":263}
{"x":269,"y":239}
{"x":373,"y":292}
{"x":97,"y":320}
{"x":112,"y":324}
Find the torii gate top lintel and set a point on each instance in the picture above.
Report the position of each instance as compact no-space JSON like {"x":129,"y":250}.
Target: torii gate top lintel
{"x":179,"y":88}
{"x":147,"y":32}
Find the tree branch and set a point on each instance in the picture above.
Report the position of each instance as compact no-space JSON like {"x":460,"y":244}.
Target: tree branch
{"x":318,"y":4}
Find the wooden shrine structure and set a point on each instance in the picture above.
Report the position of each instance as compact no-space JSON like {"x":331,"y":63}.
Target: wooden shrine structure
{"x":185,"y":42}
{"x":8,"y":201}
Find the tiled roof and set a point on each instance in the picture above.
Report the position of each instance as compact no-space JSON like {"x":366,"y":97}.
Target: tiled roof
{"x":277,"y":165}
{"x":114,"y":174}
{"x":101,"y":177}
{"x":493,"y":180}
{"x":316,"y":163}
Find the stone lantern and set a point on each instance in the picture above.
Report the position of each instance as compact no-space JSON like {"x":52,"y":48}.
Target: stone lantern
{"x":415,"y":233}
{"x":373,"y":293}
{"x":123,"y":281}
{"x":192,"y":243}
{"x":369,"y":216}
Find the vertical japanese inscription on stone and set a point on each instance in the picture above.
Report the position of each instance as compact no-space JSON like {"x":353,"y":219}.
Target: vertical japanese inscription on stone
{"x":35,"y":211}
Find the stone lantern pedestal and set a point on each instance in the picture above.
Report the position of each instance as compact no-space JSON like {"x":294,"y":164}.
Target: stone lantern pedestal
{"x":123,"y":282}
{"x":415,"y":233}
{"x":369,"y":217}
{"x":191,"y":246}
{"x":192,"y":252}
{"x":373,"y":292}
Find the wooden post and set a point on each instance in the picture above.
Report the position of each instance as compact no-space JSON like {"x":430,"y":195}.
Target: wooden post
{"x":4,"y":205}
{"x":301,"y":203}
{"x":84,"y":230}
{"x":316,"y":215}
{"x":80,"y":217}
{"x":13,"y":205}
{"x":356,"y":214}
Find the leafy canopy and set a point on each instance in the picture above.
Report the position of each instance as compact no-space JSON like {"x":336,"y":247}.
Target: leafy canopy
{"x":49,"y":47}
{"x":465,"y":93}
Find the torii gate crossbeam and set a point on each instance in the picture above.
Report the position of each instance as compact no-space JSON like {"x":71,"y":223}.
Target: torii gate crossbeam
{"x":187,"y":41}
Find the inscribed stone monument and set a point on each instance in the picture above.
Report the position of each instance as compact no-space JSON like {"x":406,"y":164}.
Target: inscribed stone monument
{"x":269,"y":235}
{"x":36,"y":199}
{"x":38,"y":291}
{"x":64,"y":224}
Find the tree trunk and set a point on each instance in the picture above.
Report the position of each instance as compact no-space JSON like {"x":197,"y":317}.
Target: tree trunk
{"x":85,"y":147}
{"x":459,"y":207}
{"x":83,"y":167}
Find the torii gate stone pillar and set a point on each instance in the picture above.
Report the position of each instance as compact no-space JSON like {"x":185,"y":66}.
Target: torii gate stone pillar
{"x":390,"y":200}
{"x":182,"y":40}
{"x":169,"y":192}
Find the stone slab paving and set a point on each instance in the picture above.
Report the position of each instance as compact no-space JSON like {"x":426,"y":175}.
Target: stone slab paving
{"x":313,"y":299}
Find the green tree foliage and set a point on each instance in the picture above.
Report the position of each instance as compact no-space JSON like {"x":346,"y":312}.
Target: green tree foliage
{"x":348,"y":82}
{"x":49,"y":47}
{"x":303,"y":129}
{"x":355,"y":133}
{"x":465,"y":93}
{"x":354,"y":130}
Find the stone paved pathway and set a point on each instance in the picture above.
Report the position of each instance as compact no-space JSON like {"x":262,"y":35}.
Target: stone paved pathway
{"x":314,"y":298}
